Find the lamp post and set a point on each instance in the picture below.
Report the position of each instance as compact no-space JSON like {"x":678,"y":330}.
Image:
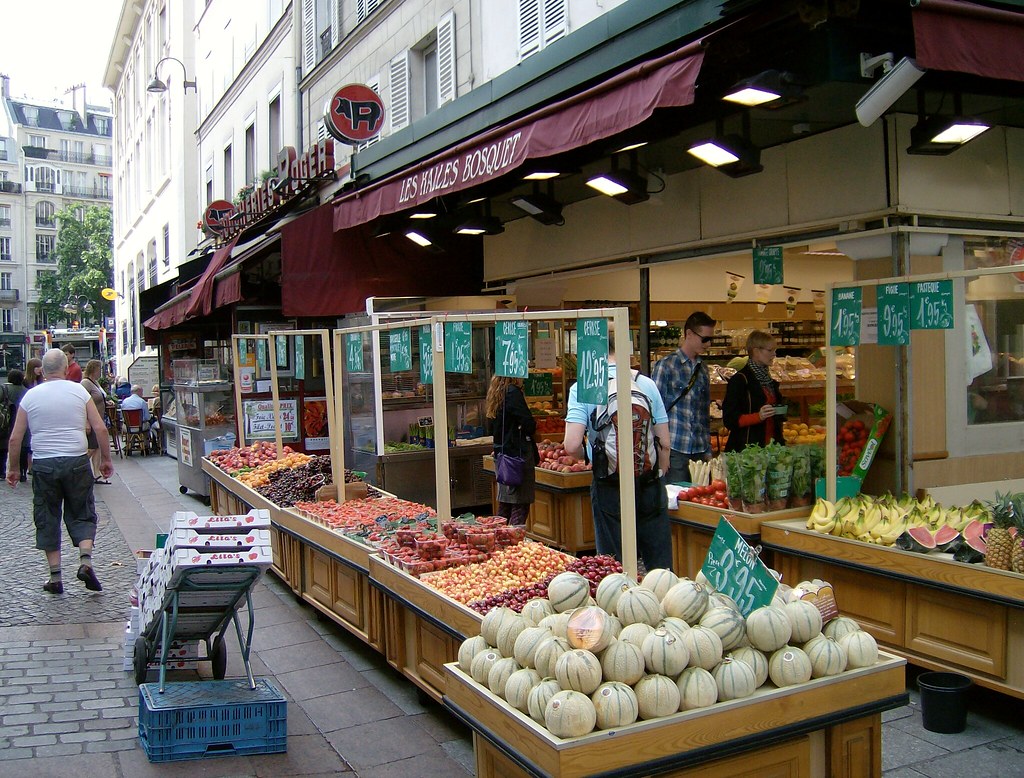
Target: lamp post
{"x":157,"y":86}
{"x":77,"y":304}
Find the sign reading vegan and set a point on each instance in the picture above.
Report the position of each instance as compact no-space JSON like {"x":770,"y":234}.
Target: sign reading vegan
{"x":354,"y":114}
{"x":217,"y":217}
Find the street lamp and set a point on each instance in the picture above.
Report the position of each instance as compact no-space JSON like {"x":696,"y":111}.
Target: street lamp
{"x":77,"y":304}
{"x":156,"y":85}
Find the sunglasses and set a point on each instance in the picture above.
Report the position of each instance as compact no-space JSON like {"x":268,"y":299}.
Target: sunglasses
{"x":705,"y":339}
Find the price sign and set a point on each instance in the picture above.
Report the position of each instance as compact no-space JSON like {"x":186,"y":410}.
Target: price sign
{"x":931,"y":305}
{"x":243,"y":351}
{"x":768,"y":265}
{"x":733,"y":568}
{"x":511,"y":347}
{"x":261,"y":353}
{"x":300,"y":357}
{"x":545,"y":352}
{"x":281,"y":350}
{"x":354,"y":352}
{"x":894,"y":314}
{"x":426,"y":355}
{"x":458,"y":347}
{"x":592,"y":361}
{"x":539,"y":385}
{"x":846,"y":316}
{"x":400,"y":349}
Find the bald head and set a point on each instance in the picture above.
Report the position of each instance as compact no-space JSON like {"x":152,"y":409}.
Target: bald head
{"x":55,"y":363}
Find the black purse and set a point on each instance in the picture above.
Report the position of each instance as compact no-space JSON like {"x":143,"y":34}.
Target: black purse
{"x":508,"y":468}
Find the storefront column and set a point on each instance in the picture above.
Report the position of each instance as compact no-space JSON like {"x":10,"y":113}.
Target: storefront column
{"x":904,"y":447}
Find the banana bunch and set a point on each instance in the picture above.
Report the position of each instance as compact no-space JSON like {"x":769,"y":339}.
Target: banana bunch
{"x":823,"y":517}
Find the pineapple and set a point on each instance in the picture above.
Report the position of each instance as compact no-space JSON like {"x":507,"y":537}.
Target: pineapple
{"x":998,"y":539}
{"x":1017,"y":560}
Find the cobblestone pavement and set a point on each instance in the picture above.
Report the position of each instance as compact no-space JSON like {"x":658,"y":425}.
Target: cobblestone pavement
{"x":23,"y":569}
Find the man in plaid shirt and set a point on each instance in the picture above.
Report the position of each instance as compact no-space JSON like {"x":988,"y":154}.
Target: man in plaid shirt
{"x":685,"y":387}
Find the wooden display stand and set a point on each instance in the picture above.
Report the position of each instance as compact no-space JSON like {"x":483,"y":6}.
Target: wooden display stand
{"x":829,"y":726}
{"x":938,"y":613}
{"x":561,"y":515}
{"x":801,"y":394}
{"x":694,"y":525}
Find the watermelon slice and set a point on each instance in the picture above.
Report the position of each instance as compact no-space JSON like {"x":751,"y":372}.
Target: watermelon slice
{"x":972,"y":549}
{"x":947,"y":538}
{"x":919,"y":539}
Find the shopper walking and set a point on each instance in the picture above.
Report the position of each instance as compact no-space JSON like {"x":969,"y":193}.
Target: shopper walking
{"x":748,"y":410}
{"x":653,"y":536}
{"x":57,"y":413}
{"x":91,"y":384}
{"x":685,"y":389}
{"x":513,"y":428}
{"x":10,"y":399}
{"x":33,"y":377}
{"x":74,"y":369}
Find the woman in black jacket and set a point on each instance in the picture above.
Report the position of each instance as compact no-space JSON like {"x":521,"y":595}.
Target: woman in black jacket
{"x":748,"y":410}
{"x":513,"y":428}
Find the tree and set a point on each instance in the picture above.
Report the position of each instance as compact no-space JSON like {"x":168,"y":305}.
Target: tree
{"x":84,"y":264}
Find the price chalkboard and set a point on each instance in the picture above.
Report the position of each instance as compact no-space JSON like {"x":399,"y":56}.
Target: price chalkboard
{"x":539,"y":385}
{"x":300,"y":357}
{"x":458,"y":347}
{"x":931,"y":305}
{"x":426,"y":356}
{"x":400,"y":349}
{"x":846,"y":305}
{"x":894,"y":314}
{"x":733,"y":568}
{"x":592,"y":361}
{"x":261,"y":353}
{"x":511,"y":349}
{"x":354,"y":352}
{"x":768,"y":265}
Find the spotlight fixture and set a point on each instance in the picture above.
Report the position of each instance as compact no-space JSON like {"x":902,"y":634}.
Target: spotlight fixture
{"x":424,"y":212}
{"x":541,"y":175}
{"x":419,"y":236}
{"x":731,"y":154}
{"x":626,"y":186}
{"x":942,"y":135}
{"x":542,"y":207}
{"x":631,"y":147}
{"x":771,"y":89}
{"x":895,"y":82}
{"x":481,"y":225}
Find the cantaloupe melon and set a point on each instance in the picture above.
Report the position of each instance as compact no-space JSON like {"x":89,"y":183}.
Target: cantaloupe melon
{"x":805,"y":620}
{"x":659,"y":581}
{"x":622,"y":661}
{"x":590,"y":628}
{"x":861,"y":649}
{"x":610,"y":588}
{"x":697,"y":688}
{"x":615,"y":704}
{"x":768,"y":628}
{"x":720,"y":600}
{"x":578,"y":670}
{"x":756,"y":659}
{"x":705,"y":647}
{"x":826,"y":655}
{"x":638,"y":606}
{"x":536,"y":609}
{"x":526,"y":644}
{"x":665,"y":653}
{"x":570,"y":714}
{"x":537,"y":699}
{"x":789,"y":666}
{"x":492,"y":622}
{"x":557,"y":623}
{"x":735,"y":679}
{"x":687,"y":600}
{"x":470,"y":648}
{"x":657,"y":696}
{"x":568,"y":590}
{"x":674,"y":624}
{"x":547,"y":653}
{"x":839,"y":626}
{"x":727,"y":624}
{"x":499,"y":674}
{"x":635,"y":633}
{"x":482,"y":664}
{"x":509,"y":630}
{"x":518,"y":687}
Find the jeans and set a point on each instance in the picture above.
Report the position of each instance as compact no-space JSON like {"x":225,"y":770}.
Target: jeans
{"x":653,"y":537}
{"x":679,"y":466}
{"x":62,"y":487}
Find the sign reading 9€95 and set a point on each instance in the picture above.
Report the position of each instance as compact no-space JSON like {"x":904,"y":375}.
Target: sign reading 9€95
{"x":354,"y":114}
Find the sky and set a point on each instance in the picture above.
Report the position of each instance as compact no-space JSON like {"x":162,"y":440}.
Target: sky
{"x":51,"y":45}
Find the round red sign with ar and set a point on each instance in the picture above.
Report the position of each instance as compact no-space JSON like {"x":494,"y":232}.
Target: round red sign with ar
{"x":354,"y":114}
{"x":217,"y":217}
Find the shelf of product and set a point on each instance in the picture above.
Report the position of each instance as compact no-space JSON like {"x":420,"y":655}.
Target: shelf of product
{"x":205,"y":408}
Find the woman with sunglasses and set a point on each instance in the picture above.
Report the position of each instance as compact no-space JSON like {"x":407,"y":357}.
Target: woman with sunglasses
{"x":749,"y":408}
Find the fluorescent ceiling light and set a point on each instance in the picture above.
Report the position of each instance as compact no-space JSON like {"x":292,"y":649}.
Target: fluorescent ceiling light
{"x":710,"y":153}
{"x":541,"y":207}
{"x":751,"y":96}
{"x":625,"y":186}
{"x":541,"y":175}
{"x":941,"y":135}
{"x":419,"y":238}
{"x":631,"y":147}
{"x":731,"y":154}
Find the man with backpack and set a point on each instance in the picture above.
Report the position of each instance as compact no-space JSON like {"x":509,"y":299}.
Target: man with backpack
{"x":651,"y":456}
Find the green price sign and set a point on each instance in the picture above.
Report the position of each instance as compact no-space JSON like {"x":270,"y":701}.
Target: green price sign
{"x":426,"y":355}
{"x":894,"y":314}
{"x":592,"y":361}
{"x":300,"y":357}
{"x":931,"y":305}
{"x":768,"y":265}
{"x":354,"y":352}
{"x":458,"y":347}
{"x":281,"y":350}
{"x":261,"y":353}
{"x":846,"y":305}
{"x":539,"y":385}
{"x":511,"y":348}
{"x":243,"y":351}
{"x":400,"y":349}
{"x":733,"y":568}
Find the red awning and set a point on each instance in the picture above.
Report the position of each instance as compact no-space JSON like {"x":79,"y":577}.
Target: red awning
{"x":967,"y":38}
{"x":607,"y":109}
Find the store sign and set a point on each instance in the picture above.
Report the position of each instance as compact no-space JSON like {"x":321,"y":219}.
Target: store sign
{"x":354,"y":352}
{"x":733,"y":568}
{"x":931,"y":305}
{"x":768,"y":265}
{"x":458,"y":347}
{"x":845,"y":324}
{"x":354,"y":114}
{"x":894,"y":314}
{"x":217,"y":217}
{"x":592,"y":361}
{"x":512,"y":345}
{"x":426,"y":356}
{"x":400,"y":349}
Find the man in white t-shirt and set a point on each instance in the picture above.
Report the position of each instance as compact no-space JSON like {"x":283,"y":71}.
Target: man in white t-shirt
{"x":57,"y":412}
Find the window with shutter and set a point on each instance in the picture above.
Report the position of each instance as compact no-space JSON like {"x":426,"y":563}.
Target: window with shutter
{"x":398,"y":71}
{"x":554,"y":20}
{"x":308,"y":35}
{"x":335,"y":13}
{"x":446,"y":83}
{"x":529,"y":27}
{"x":541,"y":22}
{"x":366,"y":7}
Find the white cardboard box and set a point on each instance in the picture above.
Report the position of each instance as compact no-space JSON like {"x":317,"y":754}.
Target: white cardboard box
{"x":257,"y":518}
{"x":194,"y":557}
{"x":229,"y":539}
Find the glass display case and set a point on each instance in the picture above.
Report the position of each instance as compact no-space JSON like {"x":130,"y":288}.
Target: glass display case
{"x":204,"y":404}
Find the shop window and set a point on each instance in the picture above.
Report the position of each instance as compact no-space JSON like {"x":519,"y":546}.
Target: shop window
{"x":541,"y":22}
{"x":995,"y":334}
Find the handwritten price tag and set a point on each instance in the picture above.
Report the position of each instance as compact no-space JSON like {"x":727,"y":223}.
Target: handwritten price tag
{"x":354,"y":352}
{"x":511,"y":347}
{"x":931,"y":305}
{"x":734,"y":569}
{"x":846,"y":310}
{"x":768,"y":265}
{"x":400,"y":349}
{"x":592,"y":361}
{"x":458,"y":347}
{"x":894,"y":314}
{"x":426,"y":356}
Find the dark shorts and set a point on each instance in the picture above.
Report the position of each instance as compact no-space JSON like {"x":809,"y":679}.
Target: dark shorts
{"x":62,"y":487}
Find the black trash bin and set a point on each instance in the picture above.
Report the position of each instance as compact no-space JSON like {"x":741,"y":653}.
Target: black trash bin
{"x":944,"y":701}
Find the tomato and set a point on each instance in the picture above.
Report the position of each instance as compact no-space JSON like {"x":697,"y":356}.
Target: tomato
{"x":718,"y":485}
{"x":720,"y":495}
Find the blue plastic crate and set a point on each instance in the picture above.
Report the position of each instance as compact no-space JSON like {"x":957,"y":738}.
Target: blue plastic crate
{"x":211,"y":718}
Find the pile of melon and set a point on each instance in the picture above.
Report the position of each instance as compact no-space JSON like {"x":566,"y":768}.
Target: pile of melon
{"x":576,"y":663}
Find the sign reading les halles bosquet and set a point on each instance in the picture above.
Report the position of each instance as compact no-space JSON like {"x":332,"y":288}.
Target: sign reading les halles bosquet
{"x":292,"y":169}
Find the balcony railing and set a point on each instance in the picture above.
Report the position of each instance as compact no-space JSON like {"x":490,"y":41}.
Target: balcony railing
{"x":325,"y":43}
{"x":3,"y":153}
{"x":5,"y":257}
{"x":45,"y":257}
{"x":84,"y":158}
{"x":10,"y":187}
{"x":5,"y":222}
{"x":45,"y":186}
{"x":44,"y":222}
{"x":38,"y":152}
{"x":88,"y":191}
{"x":9,"y":295}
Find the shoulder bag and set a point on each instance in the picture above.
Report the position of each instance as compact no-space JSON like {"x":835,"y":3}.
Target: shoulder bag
{"x":508,"y":469}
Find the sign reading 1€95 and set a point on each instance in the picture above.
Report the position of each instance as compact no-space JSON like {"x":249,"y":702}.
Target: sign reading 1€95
{"x":354,"y":114}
